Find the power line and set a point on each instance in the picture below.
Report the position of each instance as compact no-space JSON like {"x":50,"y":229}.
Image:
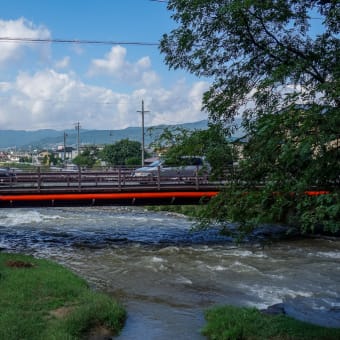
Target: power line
{"x":76,"y":41}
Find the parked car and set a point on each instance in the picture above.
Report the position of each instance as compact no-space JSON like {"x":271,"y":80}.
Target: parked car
{"x":186,"y":167}
{"x":7,"y":175}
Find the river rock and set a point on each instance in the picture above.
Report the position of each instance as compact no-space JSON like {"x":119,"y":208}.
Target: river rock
{"x":276,"y":309}
{"x":274,"y":232}
{"x":312,"y":310}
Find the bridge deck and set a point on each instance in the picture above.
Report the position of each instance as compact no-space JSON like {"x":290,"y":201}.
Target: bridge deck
{"x":34,"y":189}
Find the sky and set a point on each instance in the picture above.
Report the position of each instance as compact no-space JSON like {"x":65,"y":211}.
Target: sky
{"x":49,"y":85}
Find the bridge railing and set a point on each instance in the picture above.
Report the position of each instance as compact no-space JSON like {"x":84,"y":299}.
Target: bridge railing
{"x":82,"y":180}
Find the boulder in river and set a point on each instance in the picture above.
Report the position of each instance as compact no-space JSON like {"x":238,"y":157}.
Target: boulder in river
{"x":322,"y":312}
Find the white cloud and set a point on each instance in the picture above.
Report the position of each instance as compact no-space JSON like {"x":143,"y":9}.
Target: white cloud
{"x":58,"y":97}
{"x":20,"y":28}
{"x":48,"y":99}
{"x":181,"y":103}
{"x":63,"y":63}
{"x":5,"y":86}
{"x":116,"y":66}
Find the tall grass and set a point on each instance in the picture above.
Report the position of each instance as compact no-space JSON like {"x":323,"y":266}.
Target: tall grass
{"x":31,"y":290}
{"x":234,"y":323}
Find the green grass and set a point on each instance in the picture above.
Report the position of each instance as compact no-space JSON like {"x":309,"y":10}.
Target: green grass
{"x":32,"y":290}
{"x":234,"y":323}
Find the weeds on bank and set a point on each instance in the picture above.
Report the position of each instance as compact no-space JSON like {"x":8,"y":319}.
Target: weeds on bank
{"x":32,"y":292}
{"x":234,"y":323}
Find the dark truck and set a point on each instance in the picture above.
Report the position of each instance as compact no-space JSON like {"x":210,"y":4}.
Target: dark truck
{"x":7,"y":175}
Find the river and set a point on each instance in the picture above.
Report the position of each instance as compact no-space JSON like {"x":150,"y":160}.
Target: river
{"x":166,"y":275}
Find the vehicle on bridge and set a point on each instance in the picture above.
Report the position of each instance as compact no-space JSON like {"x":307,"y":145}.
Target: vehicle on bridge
{"x":188,"y":168}
{"x":7,"y":175}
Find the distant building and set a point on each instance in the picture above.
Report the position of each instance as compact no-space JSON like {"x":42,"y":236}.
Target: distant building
{"x":4,"y":157}
{"x":68,"y":153}
{"x":44,"y":153}
{"x":238,"y":147}
{"x":13,"y":157}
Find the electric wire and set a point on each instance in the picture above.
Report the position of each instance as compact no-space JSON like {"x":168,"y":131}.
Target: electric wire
{"x":76,"y":41}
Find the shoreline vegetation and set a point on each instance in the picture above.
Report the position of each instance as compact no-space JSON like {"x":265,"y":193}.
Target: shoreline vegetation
{"x":282,"y":232}
{"x":235,"y":323}
{"x":43,"y":300}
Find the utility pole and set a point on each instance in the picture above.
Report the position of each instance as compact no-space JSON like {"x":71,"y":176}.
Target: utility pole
{"x":65,"y":135}
{"x":77,"y":127}
{"x":142,"y":112}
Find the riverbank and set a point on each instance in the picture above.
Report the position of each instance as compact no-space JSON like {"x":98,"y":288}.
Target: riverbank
{"x":166,"y":275}
{"x":231,"y":323}
{"x":43,"y":300}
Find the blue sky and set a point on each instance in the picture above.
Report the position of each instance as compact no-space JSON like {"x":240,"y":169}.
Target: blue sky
{"x":53,"y":85}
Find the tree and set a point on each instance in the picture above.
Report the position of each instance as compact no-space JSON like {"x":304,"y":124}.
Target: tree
{"x":122,"y":152}
{"x":211,"y":143}
{"x":55,"y":160}
{"x":87,"y":157}
{"x":51,"y":159}
{"x":277,"y":64}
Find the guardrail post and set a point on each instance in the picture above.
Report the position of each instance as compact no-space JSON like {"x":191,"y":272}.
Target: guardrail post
{"x":79,"y":178}
{"x":39,"y":179}
{"x":159,"y":178}
{"x":119,"y":178}
{"x":11,"y":181}
{"x":196,"y":179}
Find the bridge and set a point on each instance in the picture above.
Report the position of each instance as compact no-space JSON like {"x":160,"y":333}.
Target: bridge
{"x":98,"y":188}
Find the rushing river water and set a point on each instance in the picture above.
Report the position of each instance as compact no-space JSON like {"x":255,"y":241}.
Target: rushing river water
{"x":166,"y":275}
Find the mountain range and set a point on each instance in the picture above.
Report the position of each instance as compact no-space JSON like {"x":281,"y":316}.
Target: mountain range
{"x":48,"y":138}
